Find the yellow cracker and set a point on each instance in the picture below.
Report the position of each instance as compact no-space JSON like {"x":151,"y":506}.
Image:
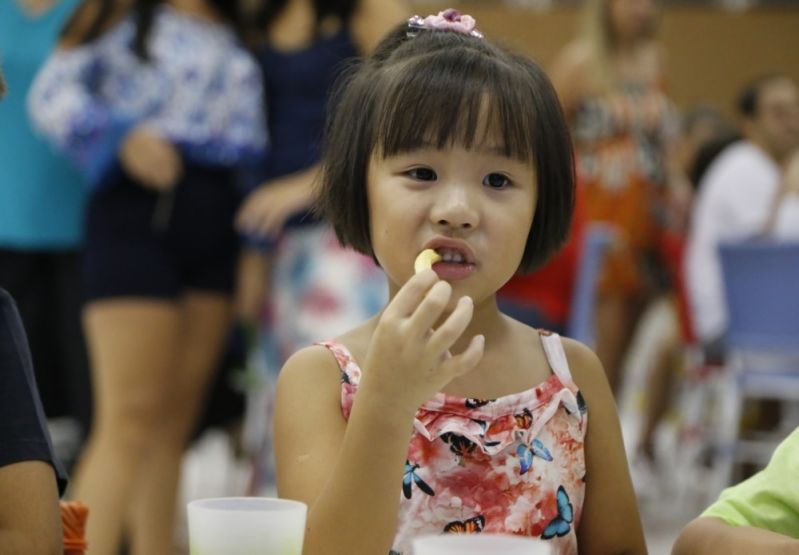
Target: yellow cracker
{"x":425,"y":260}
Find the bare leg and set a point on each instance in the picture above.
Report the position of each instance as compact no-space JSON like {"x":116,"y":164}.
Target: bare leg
{"x":131,"y":343}
{"x":660,"y":384}
{"x":616,"y":317}
{"x":252,"y":286}
{"x":205,"y":324}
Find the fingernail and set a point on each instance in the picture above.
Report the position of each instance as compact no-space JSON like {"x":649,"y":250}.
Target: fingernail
{"x":465,"y":300}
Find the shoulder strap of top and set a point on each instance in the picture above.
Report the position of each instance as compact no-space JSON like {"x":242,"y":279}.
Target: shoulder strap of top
{"x":556,"y":357}
{"x":350,"y":374}
{"x":346,"y":363}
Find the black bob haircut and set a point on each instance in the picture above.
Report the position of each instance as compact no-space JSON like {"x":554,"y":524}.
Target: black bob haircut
{"x":442,"y":88}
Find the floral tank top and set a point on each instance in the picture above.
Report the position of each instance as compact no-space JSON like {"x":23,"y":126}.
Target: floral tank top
{"x":512,"y":465}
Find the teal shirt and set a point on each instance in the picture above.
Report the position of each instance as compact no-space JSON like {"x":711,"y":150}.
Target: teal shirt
{"x":42,"y":196}
{"x":769,"y":499}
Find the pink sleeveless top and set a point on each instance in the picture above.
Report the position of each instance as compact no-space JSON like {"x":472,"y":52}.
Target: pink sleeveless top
{"x":512,"y":465}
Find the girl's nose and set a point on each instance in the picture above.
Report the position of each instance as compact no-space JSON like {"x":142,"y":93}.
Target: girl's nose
{"x":455,"y":208}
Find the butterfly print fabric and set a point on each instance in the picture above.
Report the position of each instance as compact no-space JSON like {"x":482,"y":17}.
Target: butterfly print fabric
{"x":513,"y":465}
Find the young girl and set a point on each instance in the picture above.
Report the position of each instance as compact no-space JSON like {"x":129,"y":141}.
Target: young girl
{"x":158,"y":103}
{"x":441,"y":414}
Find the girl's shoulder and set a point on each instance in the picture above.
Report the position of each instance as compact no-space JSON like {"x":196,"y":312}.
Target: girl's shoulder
{"x":586,"y":369}
{"x":323,"y":362}
{"x":313,"y":363}
{"x":592,"y":382}
{"x":309,"y":378}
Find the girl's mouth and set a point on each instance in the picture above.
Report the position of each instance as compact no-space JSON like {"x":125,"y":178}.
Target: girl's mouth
{"x":454,"y":264}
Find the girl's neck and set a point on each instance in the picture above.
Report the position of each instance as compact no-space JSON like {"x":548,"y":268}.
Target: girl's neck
{"x":487,"y":321}
{"x":196,"y":8}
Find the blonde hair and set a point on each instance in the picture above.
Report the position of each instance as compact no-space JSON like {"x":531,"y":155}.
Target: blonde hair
{"x":597,"y":34}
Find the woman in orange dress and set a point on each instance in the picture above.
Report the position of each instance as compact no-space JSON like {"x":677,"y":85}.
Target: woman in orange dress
{"x":610,"y":81}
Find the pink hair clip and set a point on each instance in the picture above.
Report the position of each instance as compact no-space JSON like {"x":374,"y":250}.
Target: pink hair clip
{"x":448,"y":20}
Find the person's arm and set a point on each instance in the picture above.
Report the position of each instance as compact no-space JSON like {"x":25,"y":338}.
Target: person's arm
{"x":349,"y":473}
{"x":236,"y":116}
{"x":783,"y":218}
{"x":678,"y":190}
{"x":753,"y":516}
{"x":703,"y":276}
{"x":30,"y":475}
{"x":266,"y":210}
{"x":570,"y":75}
{"x":63,"y":107}
{"x":30,"y":520}
{"x":610,"y":523}
{"x":713,"y":536}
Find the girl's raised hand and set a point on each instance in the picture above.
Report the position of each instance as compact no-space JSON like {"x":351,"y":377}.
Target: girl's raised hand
{"x":408,"y":361}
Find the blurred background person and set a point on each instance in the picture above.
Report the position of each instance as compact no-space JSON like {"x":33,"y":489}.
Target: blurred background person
{"x":314,"y":288}
{"x":31,"y":477}
{"x":42,"y":201}
{"x":158,"y":103}
{"x":611,"y":84}
{"x":742,"y":196}
{"x":656,"y":360}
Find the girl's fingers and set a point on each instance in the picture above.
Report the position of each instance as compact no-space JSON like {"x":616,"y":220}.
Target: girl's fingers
{"x":429,"y":310}
{"x":465,"y":362}
{"x":452,"y":328}
{"x":407,"y":299}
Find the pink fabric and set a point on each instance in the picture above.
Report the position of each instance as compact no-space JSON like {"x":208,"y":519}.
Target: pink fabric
{"x":447,"y":20}
{"x":492,"y":466}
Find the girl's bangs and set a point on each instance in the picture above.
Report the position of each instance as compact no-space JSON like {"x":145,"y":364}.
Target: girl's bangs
{"x":455,"y":98}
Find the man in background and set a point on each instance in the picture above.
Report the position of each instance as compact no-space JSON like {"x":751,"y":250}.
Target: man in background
{"x":743,"y":195}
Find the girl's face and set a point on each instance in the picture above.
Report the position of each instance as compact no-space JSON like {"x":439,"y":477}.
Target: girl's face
{"x":632,"y":19}
{"x":474,"y":207}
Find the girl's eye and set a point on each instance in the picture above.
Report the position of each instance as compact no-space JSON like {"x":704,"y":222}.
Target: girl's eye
{"x":496,"y":181}
{"x":422,"y":174}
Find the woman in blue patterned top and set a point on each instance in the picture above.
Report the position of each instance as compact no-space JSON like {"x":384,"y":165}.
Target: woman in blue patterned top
{"x":158,"y":104}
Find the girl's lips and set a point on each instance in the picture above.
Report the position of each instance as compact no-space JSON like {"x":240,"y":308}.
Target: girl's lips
{"x":453,"y":271}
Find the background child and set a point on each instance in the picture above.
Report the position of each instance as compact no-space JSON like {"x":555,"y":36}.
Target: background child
{"x":442,"y":140}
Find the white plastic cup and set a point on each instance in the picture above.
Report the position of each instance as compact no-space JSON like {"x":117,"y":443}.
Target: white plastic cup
{"x":246,"y":526}
{"x":479,"y":544}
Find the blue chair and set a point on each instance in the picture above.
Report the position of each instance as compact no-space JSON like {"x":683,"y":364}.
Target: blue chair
{"x":761,"y":282}
{"x":598,"y":237}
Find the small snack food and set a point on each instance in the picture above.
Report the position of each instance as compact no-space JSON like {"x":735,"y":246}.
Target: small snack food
{"x":425,"y":260}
